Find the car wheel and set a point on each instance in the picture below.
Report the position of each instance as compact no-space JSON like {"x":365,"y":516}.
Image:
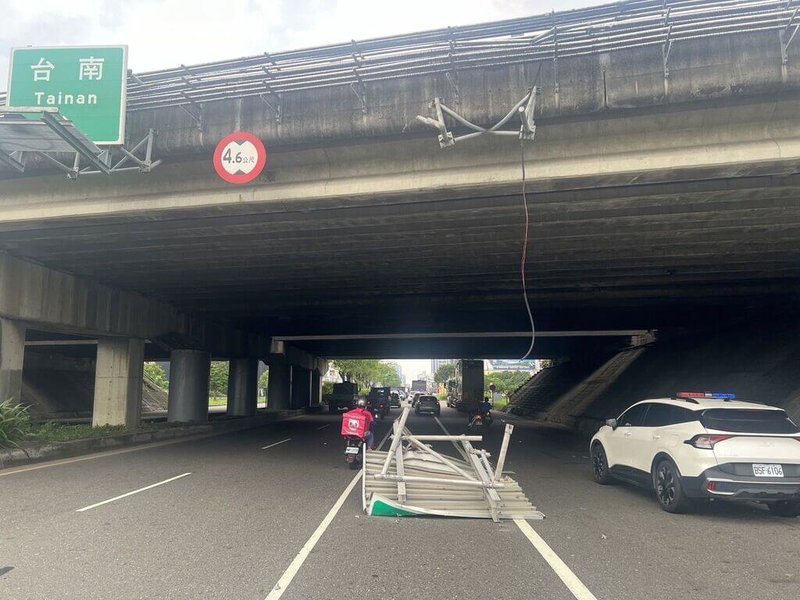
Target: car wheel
{"x":600,"y":465}
{"x":668,"y":487}
{"x":784,"y":508}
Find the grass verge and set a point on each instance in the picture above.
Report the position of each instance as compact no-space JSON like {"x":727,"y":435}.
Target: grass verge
{"x":57,"y":432}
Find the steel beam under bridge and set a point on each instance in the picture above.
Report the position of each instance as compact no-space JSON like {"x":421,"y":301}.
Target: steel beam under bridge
{"x":484,"y":344}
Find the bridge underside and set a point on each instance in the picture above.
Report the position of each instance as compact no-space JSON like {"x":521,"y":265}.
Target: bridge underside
{"x":636,"y":256}
{"x":654,"y":204}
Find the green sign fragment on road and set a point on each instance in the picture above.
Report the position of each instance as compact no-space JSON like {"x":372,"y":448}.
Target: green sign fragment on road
{"x":86,"y":84}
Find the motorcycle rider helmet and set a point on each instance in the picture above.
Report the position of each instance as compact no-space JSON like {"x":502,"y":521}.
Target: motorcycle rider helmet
{"x":361,"y":403}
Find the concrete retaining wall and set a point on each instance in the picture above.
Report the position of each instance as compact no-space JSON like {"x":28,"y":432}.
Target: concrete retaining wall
{"x":756,"y":364}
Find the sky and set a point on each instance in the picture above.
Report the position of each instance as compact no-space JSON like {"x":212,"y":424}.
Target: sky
{"x":168,"y":33}
{"x":413,"y":367}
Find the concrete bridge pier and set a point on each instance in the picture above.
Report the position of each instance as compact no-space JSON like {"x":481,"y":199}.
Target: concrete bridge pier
{"x":12,"y":352}
{"x":119,"y":373}
{"x":280,"y":385}
{"x":243,"y":387}
{"x":301,"y":388}
{"x":188,"y":386}
{"x":316,"y":388}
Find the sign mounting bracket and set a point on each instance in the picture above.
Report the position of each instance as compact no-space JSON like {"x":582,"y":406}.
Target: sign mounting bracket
{"x":274,"y":101}
{"x":359,"y":89}
{"x":49,"y":136}
{"x":194,"y":110}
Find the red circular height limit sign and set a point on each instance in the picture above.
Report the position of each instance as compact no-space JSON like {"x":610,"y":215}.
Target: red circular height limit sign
{"x":240,"y":157}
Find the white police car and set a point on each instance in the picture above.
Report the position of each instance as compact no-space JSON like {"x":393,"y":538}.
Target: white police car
{"x":703,"y":445}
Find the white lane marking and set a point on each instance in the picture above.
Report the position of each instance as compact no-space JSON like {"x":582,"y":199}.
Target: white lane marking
{"x":276,"y":443}
{"x":443,"y":428}
{"x":144,"y":489}
{"x":580,"y":591}
{"x":294,"y":567}
{"x":298,"y":561}
{"x":323,"y":427}
{"x":458,"y":448}
{"x":148,"y":446}
{"x":575,"y":585}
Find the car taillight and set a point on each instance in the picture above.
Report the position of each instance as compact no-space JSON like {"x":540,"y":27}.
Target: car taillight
{"x":707,"y":442}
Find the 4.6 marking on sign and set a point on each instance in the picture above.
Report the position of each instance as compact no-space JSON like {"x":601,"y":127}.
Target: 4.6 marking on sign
{"x":238,"y":159}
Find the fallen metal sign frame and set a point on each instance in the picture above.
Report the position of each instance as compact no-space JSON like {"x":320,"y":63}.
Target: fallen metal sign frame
{"x":414,"y":479}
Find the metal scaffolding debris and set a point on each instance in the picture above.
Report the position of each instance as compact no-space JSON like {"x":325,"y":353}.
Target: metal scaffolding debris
{"x":412,"y":479}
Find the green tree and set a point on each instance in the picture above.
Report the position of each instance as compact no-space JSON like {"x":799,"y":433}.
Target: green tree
{"x":390,"y":374}
{"x":347,"y":368}
{"x":368,"y":372}
{"x":444,"y":372}
{"x":156,"y":374}
{"x":505,"y":381}
{"x":263,"y":381}
{"x":218,"y":379}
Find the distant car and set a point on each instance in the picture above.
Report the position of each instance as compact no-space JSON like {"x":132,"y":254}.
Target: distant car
{"x":377,"y":397}
{"x":703,"y":445}
{"x":429,"y":405}
{"x":394,"y":399}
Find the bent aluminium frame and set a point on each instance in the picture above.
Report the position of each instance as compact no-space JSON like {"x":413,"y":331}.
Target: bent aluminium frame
{"x":412,"y":478}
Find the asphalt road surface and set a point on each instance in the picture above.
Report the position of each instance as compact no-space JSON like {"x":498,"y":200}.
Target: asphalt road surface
{"x":232,"y":514}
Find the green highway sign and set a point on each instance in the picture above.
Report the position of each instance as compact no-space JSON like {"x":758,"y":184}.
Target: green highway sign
{"x":86,"y":84}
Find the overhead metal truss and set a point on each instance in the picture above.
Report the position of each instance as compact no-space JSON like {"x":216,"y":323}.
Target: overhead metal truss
{"x":412,"y":479}
{"x":43,"y":132}
{"x":525,"y":108}
{"x":558,"y":35}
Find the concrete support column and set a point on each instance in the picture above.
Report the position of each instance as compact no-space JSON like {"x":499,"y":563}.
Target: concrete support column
{"x":118,"y":378}
{"x":188,"y":386}
{"x":279,"y":389}
{"x":316,"y":388}
{"x":12,"y":354}
{"x":243,"y":387}
{"x":301,"y":388}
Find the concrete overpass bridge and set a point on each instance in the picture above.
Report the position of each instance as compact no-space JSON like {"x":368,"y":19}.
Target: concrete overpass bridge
{"x":662,"y":187}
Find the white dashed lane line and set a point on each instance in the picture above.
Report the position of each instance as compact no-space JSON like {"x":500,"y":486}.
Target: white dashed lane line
{"x":277,"y":443}
{"x":294,"y":567}
{"x":144,"y":489}
{"x":575,"y":585}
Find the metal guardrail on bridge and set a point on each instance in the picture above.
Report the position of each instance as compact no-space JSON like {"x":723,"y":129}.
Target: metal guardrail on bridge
{"x":622,"y":25}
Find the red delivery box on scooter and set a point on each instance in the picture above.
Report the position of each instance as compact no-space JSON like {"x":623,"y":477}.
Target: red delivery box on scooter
{"x":354,"y":424}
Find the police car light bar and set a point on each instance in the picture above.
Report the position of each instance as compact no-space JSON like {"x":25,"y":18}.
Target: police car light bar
{"x":707,"y":395}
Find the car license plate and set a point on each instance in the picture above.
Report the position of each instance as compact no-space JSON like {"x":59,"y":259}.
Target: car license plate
{"x":768,"y":470}
{"x":351,"y":450}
